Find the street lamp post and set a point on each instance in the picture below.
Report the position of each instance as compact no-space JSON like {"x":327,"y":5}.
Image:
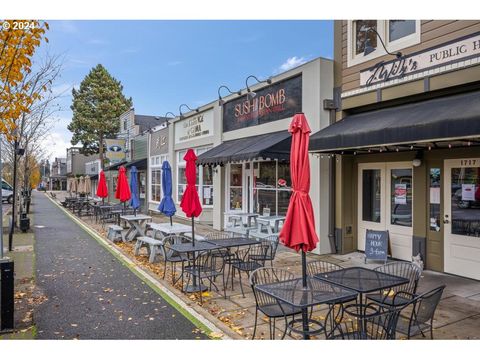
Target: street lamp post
{"x":18,"y":152}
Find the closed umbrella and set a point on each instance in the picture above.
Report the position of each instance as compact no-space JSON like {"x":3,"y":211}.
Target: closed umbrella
{"x":167,"y":206}
{"x":134,"y":201}
{"x":298,"y":231}
{"x":122,"y":191}
{"x":70,"y":185}
{"x":190,"y":204}
{"x":88,"y":185}
{"x":75,"y":185}
{"x":102,"y":190}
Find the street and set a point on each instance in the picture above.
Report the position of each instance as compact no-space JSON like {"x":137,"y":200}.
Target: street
{"x":91,"y":294}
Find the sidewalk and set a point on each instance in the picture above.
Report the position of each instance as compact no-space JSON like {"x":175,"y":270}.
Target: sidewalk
{"x":457,"y":315}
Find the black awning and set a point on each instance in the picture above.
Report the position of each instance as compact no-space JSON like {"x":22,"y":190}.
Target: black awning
{"x":452,"y":117}
{"x":139,"y":164}
{"x":272,"y":145}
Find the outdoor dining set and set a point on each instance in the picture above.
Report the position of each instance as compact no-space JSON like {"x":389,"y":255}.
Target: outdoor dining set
{"x":357,"y":303}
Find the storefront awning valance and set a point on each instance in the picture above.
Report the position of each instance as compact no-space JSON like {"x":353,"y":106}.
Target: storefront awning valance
{"x":452,"y":117}
{"x":272,"y":145}
{"x":139,"y":164}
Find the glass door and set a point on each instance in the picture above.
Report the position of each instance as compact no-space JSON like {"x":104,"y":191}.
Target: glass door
{"x":399,"y":207}
{"x":371,"y":200}
{"x":462,"y":217}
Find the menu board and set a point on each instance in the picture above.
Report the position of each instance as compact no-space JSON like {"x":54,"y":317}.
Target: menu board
{"x":376,"y":245}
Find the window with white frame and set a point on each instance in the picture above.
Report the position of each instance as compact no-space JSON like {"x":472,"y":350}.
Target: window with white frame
{"x":156,"y":162}
{"x":396,"y":35}
{"x":204,"y":178}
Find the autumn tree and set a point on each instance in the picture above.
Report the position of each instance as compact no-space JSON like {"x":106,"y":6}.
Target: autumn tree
{"x":97,"y":106}
{"x":17,"y":46}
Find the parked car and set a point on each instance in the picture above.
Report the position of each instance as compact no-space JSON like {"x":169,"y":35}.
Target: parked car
{"x":7,"y":192}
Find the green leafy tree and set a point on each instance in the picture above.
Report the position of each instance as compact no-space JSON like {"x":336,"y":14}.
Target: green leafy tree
{"x":96,"y":107}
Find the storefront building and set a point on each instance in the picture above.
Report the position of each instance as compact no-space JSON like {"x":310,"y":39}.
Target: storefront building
{"x":406,"y":140}
{"x":158,"y":146}
{"x":245,"y":164}
{"x":194,"y":130}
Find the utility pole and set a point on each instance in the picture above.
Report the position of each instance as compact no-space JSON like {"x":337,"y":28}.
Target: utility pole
{"x":1,"y":205}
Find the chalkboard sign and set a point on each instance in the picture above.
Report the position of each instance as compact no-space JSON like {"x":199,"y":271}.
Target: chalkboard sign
{"x":376,"y":245}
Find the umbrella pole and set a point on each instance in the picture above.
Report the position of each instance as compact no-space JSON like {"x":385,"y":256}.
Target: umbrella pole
{"x":304,"y":284}
{"x":171,"y":223}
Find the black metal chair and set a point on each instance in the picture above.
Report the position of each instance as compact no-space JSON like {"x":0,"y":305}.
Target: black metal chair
{"x":403,"y":269}
{"x":422,"y":314}
{"x":361,"y":322}
{"x":268,"y":305}
{"x":272,"y":243}
{"x":207,"y":267}
{"x":172,"y":256}
{"x":247,"y":260}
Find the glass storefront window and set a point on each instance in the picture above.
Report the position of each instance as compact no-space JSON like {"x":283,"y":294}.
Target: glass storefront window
{"x":371,"y":195}
{"x":401,"y":197}
{"x":265,"y":201}
{"x":156,"y":185}
{"x":465,"y":207}
{"x":284,"y":180}
{"x":283,"y":201}
{"x":398,"y":29}
{"x":266,"y":175}
{"x":361,"y":36}
{"x":236,"y":193}
{"x":207,"y":191}
{"x":434,"y":206}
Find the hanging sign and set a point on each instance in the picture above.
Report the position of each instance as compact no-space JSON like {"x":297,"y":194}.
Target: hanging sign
{"x":115,"y":150}
{"x":400,"y":194}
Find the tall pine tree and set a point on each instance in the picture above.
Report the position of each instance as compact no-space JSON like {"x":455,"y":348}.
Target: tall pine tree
{"x":96,"y":107}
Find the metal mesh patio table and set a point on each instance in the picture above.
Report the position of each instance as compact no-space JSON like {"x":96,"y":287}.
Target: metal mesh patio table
{"x":294,"y":294}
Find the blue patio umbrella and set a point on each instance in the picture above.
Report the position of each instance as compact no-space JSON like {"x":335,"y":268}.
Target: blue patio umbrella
{"x":167,"y":206}
{"x":134,"y":201}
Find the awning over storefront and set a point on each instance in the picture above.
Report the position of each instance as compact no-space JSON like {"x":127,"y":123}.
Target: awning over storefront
{"x":139,"y":164}
{"x":272,"y":145}
{"x":440,"y":119}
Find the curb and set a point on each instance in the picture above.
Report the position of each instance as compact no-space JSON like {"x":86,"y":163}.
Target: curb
{"x":192,"y":315}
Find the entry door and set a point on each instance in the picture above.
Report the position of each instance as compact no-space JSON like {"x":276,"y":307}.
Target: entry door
{"x":371,"y":200}
{"x":385,"y":202}
{"x":462,"y":217}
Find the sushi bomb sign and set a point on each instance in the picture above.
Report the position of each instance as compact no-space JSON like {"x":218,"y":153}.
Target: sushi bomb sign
{"x":275,"y":102}
{"x":195,"y":127}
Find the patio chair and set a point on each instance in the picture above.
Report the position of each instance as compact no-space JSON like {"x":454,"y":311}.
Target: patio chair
{"x":268,"y":305}
{"x":272,"y":243}
{"x":421,"y":317}
{"x":172,"y":256}
{"x":361,"y":322}
{"x":247,"y":260}
{"x":403,"y":269}
{"x":207,"y":267}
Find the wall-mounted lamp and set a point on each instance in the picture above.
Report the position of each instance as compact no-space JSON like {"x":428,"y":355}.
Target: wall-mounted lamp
{"x":166,"y":117}
{"x":251,"y":93}
{"x":220,"y":101}
{"x":188,"y":107}
{"x":368,"y":46}
{"x":418,"y":159}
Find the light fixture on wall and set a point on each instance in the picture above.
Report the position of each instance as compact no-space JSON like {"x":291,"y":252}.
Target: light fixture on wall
{"x":166,"y":117}
{"x":251,"y":93}
{"x":418,"y":159}
{"x":368,"y":46}
{"x":220,"y":100}
{"x":188,"y":107}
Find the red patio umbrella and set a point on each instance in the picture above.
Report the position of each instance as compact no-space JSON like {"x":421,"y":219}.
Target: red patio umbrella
{"x":190,"y":203}
{"x":102,"y":190}
{"x":298,"y":231}
{"x":191,"y":206}
{"x":122,"y":192}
